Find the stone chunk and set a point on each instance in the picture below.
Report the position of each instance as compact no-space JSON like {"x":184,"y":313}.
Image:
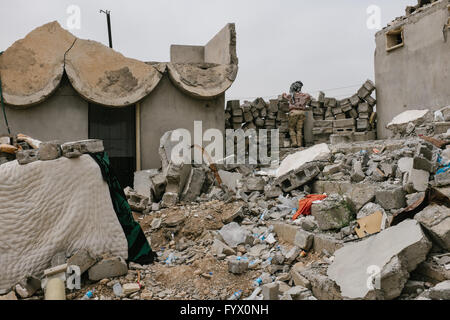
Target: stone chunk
{"x":391,"y":254}
{"x":299,"y":293}
{"x":357,"y":173}
{"x":218,"y":248}
{"x":49,"y":150}
{"x":331,"y":213}
{"x":436,"y":219}
{"x":27,"y":156}
{"x":136,"y":201}
{"x":420,"y":163}
{"x":237,"y":265}
{"x":441,"y":291}
{"x":251,"y":184}
{"x":294,"y":235}
{"x":83,"y":259}
{"x":129,"y":288}
{"x":233,"y":235}
{"x":391,"y":197}
{"x":108,"y":268}
{"x":271,"y":291}
{"x":27,"y":287}
{"x":8,"y":297}
{"x":169,"y":199}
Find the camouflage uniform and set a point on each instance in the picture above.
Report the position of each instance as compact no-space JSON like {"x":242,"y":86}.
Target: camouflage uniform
{"x":297,"y":116}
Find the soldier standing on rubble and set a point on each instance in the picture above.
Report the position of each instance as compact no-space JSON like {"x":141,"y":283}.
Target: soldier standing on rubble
{"x":297,"y":112}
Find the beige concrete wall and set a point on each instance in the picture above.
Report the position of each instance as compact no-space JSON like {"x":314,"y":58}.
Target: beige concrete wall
{"x":415,"y":76}
{"x":217,"y":50}
{"x":63,"y":116}
{"x":167,"y":108}
{"x":187,"y":54}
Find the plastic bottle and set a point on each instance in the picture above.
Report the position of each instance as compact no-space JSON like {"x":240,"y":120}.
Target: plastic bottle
{"x":88,"y":295}
{"x":117,"y":288}
{"x":267,"y":262}
{"x":236,"y":296}
{"x":170,"y":259}
{"x":257,"y":282}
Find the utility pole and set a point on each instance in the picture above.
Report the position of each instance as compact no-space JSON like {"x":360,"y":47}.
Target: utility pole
{"x":108,"y":19}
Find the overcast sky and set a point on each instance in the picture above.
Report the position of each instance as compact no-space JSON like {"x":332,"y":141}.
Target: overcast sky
{"x":324,"y":43}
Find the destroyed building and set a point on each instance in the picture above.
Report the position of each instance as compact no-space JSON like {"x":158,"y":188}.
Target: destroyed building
{"x":412,"y":61}
{"x":57,"y":86}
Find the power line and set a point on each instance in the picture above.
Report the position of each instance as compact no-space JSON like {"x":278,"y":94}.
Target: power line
{"x":313,"y":91}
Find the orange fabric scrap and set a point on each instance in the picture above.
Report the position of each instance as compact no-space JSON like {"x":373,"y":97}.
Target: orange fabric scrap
{"x":304,"y":205}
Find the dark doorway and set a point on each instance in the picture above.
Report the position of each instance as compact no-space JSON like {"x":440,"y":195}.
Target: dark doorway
{"x":117,"y":128}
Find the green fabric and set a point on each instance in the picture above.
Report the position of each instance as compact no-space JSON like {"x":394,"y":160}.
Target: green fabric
{"x":3,"y":104}
{"x":139,"y":249}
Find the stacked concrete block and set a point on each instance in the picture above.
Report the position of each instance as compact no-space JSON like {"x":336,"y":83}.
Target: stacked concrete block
{"x":358,"y":108}
{"x":260,"y":114}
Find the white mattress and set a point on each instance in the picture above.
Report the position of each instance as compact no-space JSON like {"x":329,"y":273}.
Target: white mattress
{"x":51,"y":206}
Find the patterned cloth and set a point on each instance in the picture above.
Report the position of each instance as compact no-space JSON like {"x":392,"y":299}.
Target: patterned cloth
{"x":139,"y":249}
{"x":301,"y":100}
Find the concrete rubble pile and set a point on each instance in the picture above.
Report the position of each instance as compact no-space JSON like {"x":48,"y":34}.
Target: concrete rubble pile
{"x":363,"y":228}
{"x":345,"y":120}
{"x":381,"y":232}
{"x":413,"y":123}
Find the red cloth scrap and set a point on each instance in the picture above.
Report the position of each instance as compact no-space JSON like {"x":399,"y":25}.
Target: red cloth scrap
{"x":304,"y":205}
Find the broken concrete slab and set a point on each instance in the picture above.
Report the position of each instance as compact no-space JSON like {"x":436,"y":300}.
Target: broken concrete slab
{"x":108,"y":268}
{"x":76,"y":148}
{"x":142,"y":182}
{"x":331,"y":213}
{"x":319,"y":152}
{"x":358,"y":194}
{"x":391,"y":255}
{"x":436,"y":219}
{"x":416,"y":117}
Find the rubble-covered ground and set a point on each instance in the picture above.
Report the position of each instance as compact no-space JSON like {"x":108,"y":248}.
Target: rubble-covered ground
{"x":380,"y":230}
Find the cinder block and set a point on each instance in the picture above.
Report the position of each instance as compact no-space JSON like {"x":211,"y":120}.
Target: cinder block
{"x":77,"y":148}
{"x":346,"y":123}
{"x":27,"y":156}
